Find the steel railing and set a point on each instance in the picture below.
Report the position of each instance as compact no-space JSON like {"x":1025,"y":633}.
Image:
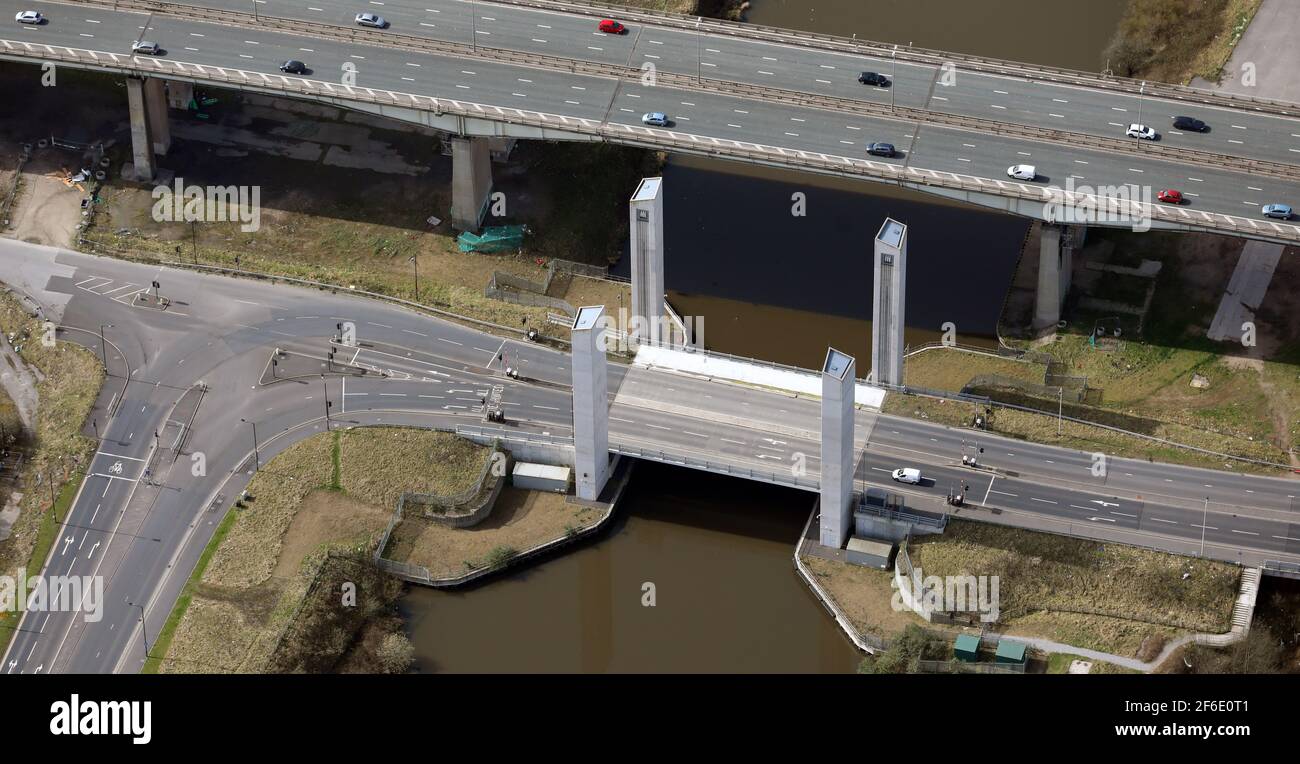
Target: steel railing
{"x":641,"y":136}
{"x":914,"y":55}
{"x":1144,"y":149}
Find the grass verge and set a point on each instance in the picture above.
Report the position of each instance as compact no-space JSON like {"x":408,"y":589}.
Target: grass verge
{"x":1107,"y":597}
{"x":164,"y":639}
{"x":1174,"y":41}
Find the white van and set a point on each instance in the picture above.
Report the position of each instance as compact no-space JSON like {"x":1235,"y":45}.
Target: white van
{"x":907,"y":475}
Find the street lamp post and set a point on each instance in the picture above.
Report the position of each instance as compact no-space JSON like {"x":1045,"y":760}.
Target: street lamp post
{"x":699,"y":50}
{"x":416,"y":265}
{"x":893,"y":63}
{"x":325,"y":388}
{"x":257,"y":457}
{"x":144,"y":627}
{"x":1060,"y":409}
{"x":473,"y":20}
{"x":1141,"y":92}
{"x":1205,"y":515}
{"x":103,"y":349}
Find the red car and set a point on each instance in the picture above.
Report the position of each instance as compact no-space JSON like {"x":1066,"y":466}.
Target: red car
{"x":1170,"y":196}
{"x":611,"y":26}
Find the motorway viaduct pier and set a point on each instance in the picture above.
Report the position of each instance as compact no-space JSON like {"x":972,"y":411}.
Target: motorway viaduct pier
{"x":148,"y":99}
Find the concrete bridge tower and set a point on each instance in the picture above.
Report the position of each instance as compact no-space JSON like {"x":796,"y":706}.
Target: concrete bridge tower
{"x":646,"y":217}
{"x":838,"y":390}
{"x":590,"y":402}
{"x":888,"y":307}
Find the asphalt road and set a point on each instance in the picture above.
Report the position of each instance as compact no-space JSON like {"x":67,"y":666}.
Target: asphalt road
{"x":145,"y":536}
{"x":1223,"y":190}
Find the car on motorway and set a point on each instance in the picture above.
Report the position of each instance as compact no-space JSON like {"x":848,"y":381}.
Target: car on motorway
{"x":372,"y":20}
{"x":1170,"y":196}
{"x":656,"y":118}
{"x":1141,"y":131}
{"x":610,"y":26}
{"x":1022,"y":171}
{"x":1279,"y":211}
{"x":293,"y":66}
{"x":1190,"y":123}
{"x":146,"y":47}
{"x":907,"y":475}
{"x":29,"y":17}
{"x":881,"y":149}
{"x":873,"y":79}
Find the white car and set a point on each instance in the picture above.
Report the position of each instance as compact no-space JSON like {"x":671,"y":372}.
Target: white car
{"x":372,"y":20}
{"x":1141,"y":131}
{"x":29,"y":17}
{"x":907,"y":475}
{"x":1022,"y":171}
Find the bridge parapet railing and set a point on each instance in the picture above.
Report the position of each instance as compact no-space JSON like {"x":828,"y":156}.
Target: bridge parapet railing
{"x":637,"y":135}
{"x":387,"y":38}
{"x":784,"y":477}
{"x":912,"y":54}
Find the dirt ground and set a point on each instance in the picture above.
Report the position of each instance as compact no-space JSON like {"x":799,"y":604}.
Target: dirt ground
{"x":48,"y":211}
{"x":326,"y":517}
{"x":864,"y":595}
{"x":520,"y":520}
{"x":1253,"y":396}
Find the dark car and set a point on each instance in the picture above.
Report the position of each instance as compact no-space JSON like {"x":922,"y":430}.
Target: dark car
{"x":881,"y":149}
{"x":1190,"y":123}
{"x":293,"y":66}
{"x":873,"y":79}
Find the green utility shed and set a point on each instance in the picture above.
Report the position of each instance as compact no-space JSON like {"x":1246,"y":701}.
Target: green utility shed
{"x":1009,"y":652}
{"x":966,"y":648}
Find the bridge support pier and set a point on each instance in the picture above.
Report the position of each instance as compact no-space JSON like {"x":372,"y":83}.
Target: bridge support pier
{"x":839,"y":386}
{"x":150,"y":129}
{"x":471,"y":181}
{"x":888,"y":308}
{"x":1055,"y":262}
{"x":646,"y":230}
{"x":590,"y":402}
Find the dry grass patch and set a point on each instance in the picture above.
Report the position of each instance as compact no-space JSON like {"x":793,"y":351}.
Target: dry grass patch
{"x":251,"y":551}
{"x":253,"y":594}
{"x":71,"y":380}
{"x":951,"y":368}
{"x":864,"y":594}
{"x":1175,"y":40}
{"x":1042,"y":428}
{"x":312,"y":240}
{"x":378,"y":464}
{"x":1109,"y":593}
{"x":520,"y":521}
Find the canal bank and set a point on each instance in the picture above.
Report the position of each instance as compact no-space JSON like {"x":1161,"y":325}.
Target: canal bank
{"x":714,"y":551}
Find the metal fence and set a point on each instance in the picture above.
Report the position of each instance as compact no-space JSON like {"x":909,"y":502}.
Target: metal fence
{"x":782,"y":477}
{"x":673,"y":140}
{"x":5,"y":206}
{"x":388,"y":38}
{"x":907,"y":53}
{"x":968,"y":667}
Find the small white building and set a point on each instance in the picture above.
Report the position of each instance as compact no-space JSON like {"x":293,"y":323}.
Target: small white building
{"x":542,"y":477}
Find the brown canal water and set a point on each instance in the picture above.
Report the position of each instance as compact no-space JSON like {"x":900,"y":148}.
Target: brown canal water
{"x":768,"y":285}
{"x":727,"y":597}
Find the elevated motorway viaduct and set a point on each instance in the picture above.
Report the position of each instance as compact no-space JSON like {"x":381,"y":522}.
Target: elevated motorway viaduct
{"x":487,"y":69}
{"x":143,"y":533}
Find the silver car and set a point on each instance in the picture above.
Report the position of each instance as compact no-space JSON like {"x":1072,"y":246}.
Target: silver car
{"x":372,"y":20}
{"x":145,"y":47}
{"x":29,"y":17}
{"x":656,"y":118}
